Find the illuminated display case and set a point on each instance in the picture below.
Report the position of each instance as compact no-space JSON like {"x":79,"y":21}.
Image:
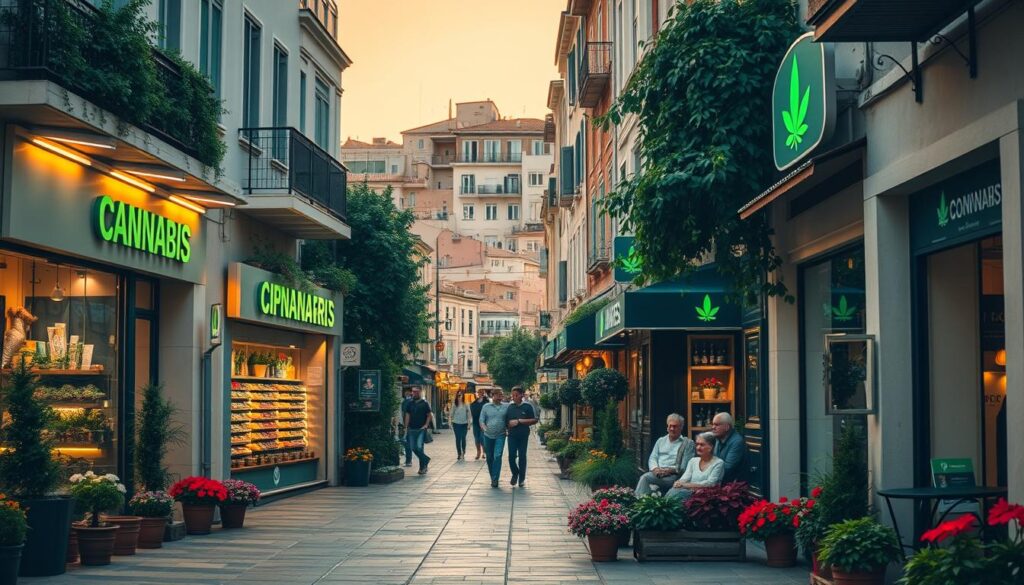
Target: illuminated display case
{"x":711,"y":379}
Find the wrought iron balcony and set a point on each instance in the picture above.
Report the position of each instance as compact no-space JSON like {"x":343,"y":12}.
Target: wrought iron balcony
{"x":442,"y":159}
{"x":599,"y":258}
{"x":498,"y":189}
{"x":491,"y":157}
{"x":595,"y":72}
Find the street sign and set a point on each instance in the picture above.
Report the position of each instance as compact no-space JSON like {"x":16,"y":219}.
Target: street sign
{"x":628,"y":264}
{"x":216,"y":321}
{"x":351,"y":354}
{"x":803,"y":101}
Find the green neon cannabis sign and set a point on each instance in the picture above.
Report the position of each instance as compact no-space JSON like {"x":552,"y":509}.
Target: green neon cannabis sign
{"x":845,"y":311}
{"x":628,"y":261}
{"x":125,"y":225}
{"x":277,"y":300}
{"x":707,"y":312}
{"x":803,"y":101}
{"x":943,"y":211}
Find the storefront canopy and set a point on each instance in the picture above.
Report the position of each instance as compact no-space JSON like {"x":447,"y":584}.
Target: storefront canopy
{"x":697,"y":301}
{"x":573,"y":337}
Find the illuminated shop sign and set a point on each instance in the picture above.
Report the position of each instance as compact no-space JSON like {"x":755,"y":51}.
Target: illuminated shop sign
{"x":265,"y":298}
{"x":282,"y":301}
{"x":961,"y":208}
{"x":122,"y":224}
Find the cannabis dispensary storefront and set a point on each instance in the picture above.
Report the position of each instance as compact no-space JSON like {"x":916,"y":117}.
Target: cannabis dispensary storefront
{"x":960,"y":369}
{"x":84,"y":260}
{"x":283,"y":410}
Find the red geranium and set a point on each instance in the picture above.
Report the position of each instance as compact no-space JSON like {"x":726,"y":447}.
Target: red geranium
{"x":199,"y":490}
{"x":950,"y":528}
{"x":1004,"y":511}
{"x":763,"y":518}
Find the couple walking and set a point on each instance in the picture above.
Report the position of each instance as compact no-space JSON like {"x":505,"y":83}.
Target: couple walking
{"x":495,"y":423}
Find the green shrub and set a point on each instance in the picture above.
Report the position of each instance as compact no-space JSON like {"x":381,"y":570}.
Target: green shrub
{"x":574,"y":449}
{"x":611,"y":431}
{"x":97,"y":494}
{"x":157,"y":431}
{"x":598,"y":470}
{"x":549,"y":401}
{"x":602,"y":385}
{"x":570,"y":392}
{"x":861,"y":545}
{"x":27,"y":467}
{"x":556,"y":444}
{"x":657,"y":513}
{"x":13,"y":524}
{"x":844,"y":489}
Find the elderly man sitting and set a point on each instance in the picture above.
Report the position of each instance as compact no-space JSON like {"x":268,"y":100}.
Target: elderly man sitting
{"x":731,"y":448}
{"x":668,"y":456}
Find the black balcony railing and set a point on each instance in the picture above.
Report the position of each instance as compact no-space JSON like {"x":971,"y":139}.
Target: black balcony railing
{"x":595,"y":72}
{"x":599,"y":256}
{"x":491,"y":157}
{"x":283,"y":159}
{"x":50,"y":39}
{"x":442,"y":159}
{"x":511,"y":189}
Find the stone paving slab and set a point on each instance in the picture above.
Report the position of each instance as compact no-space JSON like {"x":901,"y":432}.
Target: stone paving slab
{"x":447,"y":527}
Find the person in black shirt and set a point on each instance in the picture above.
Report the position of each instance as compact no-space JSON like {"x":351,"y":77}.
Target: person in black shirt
{"x":474,"y":409}
{"x":417,"y":425}
{"x":405,"y":436}
{"x":519,"y":416}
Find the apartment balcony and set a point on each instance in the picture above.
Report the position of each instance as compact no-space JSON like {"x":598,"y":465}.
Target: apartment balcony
{"x":545,"y":320}
{"x":491,"y":158}
{"x":294,"y":184}
{"x":498,"y":189}
{"x":319,"y":18}
{"x":527,"y":228}
{"x":389,"y":178}
{"x":599,"y":259}
{"x":595,"y":73}
{"x":442,"y":160}
{"x":580,"y":7}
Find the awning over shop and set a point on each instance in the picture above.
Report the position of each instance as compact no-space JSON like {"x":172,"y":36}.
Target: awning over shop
{"x":419,"y":374}
{"x":575,"y":336}
{"x":826,"y":174}
{"x":697,"y":301}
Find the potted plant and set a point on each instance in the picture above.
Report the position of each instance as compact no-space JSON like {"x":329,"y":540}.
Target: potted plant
{"x":241,"y":494}
{"x":775,"y":525}
{"x":812,"y":529}
{"x":198,"y":496}
{"x":241,"y":361}
{"x":260,"y":362}
{"x":599,"y":522}
{"x":711,"y":523}
{"x":859,"y":551}
{"x":155,"y":509}
{"x":29,"y":474}
{"x":126,"y":538}
{"x":386,"y":474}
{"x":598,"y":469}
{"x":965,"y":559}
{"x":358,"y":461}
{"x":573,"y":450}
{"x":570,"y":393}
{"x":555,"y":442}
{"x":157,"y":431}
{"x":96,"y":494}
{"x":656,"y":522}
{"x":711,"y":387}
{"x":13,"y":527}
{"x":625,"y":497}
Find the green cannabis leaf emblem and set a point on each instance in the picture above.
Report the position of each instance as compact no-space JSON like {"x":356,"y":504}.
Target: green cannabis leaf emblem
{"x":844,"y":312}
{"x":943,"y":211}
{"x":794,"y":118}
{"x":707,"y":312}
{"x":631,"y":263}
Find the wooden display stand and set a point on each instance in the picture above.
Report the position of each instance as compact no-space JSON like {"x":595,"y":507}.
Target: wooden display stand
{"x":709,"y":350}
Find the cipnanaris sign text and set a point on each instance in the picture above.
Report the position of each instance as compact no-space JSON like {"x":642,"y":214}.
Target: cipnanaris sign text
{"x":288,"y":303}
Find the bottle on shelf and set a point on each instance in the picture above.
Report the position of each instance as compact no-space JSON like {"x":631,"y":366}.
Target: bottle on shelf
{"x":696,"y":356}
{"x":720,"y":358}
{"x":704,"y":355}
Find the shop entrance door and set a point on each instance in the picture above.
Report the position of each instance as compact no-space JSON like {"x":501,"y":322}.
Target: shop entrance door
{"x":753,"y":401}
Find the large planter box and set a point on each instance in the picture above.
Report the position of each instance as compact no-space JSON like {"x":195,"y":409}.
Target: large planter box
{"x":688,"y":545}
{"x":387,"y":476}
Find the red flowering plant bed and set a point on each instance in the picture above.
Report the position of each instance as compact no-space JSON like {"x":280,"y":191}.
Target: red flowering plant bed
{"x":718,"y":507}
{"x":199,"y":491}
{"x":764,"y":519}
{"x":592,"y":517}
{"x":241,"y":492}
{"x":956,"y":555}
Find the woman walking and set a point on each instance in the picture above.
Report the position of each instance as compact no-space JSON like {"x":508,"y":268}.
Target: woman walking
{"x":461,"y":416}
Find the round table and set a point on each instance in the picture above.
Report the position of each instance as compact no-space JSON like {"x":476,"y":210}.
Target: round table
{"x":923,"y":495}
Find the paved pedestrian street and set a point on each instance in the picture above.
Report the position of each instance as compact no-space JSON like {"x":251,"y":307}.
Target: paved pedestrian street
{"x":449,"y":526}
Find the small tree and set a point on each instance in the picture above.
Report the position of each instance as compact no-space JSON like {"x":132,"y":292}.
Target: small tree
{"x":602,"y":385}
{"x":157,"y":431}
{"x":844,"y":494}
{"x":570,"y":392}
{"x":27,"y":467}
{"x":611,"y":432}
{"x":511,"y":359}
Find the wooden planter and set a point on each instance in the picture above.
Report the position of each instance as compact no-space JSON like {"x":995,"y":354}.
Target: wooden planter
{"x":387,"y":477}
{"x":688,"y":545}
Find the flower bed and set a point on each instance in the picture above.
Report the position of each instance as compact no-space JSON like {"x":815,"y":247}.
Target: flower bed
{"x":703,"y":528}
{"x":387,"y":474}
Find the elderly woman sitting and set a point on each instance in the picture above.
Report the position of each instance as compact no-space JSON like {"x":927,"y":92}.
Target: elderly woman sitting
{"x":704,"y":470}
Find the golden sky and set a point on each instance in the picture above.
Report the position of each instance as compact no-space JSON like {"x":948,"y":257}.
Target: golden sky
{"x":412,"y":56}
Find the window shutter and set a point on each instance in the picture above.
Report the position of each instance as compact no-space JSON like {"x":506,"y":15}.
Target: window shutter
{"x":567,"y":167}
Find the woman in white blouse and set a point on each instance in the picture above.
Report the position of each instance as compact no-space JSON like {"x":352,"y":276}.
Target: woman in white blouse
{"x":704,"y":470}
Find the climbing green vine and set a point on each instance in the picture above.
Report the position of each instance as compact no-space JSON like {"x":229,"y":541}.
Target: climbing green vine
{"x":702,"y":95}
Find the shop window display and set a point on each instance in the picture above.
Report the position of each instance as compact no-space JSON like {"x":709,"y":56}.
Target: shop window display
{"x":61,"y":322}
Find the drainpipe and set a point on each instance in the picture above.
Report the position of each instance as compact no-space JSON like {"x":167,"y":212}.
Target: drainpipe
{"x":205,"y":437}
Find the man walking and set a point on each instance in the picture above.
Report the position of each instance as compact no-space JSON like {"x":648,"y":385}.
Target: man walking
{"x":493,"y":423}
{"x":417,"y":425}
{"x":520,"y":416}
{"x":407,"y":398}
{"x":474,"y":409}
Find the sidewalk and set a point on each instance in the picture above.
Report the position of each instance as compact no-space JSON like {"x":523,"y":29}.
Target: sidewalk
{"x":448,"y":526}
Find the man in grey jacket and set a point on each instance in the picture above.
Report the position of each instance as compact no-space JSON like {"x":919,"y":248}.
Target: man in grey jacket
{"x":669,"y":456}
{"x":731,"y":447}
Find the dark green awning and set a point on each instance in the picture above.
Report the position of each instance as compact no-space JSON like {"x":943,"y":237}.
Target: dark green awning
{"x":697,"y":301}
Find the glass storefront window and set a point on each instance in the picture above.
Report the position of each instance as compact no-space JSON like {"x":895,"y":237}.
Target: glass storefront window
{"x":70,"y":316}
{"x":831,"y":301}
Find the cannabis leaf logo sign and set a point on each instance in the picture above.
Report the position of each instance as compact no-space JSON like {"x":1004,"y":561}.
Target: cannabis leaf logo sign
{"x":844,"y":312}
{"x":794,"y":118}
{"x":631,"y":263}
{"x":943,"y":211}
{"x":707,"y":312}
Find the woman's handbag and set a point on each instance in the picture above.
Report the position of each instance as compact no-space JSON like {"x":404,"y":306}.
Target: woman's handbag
{"x":428,"y":436}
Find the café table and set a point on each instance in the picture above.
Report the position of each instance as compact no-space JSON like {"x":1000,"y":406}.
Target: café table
{"x":922,"y":496}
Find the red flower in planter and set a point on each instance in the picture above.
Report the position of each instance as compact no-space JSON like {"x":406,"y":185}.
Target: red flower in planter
{"x":949,"y":529}
{"x":816,"y":492}
{"x":1003,"y":512}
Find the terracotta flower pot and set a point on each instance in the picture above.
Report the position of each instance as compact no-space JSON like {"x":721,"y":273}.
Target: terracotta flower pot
{"x":603,"y":547}
{"x":198,"y":518}
{"x":127,"y":536}
{"x":232,"y":515}
{"x":876,"y":577}
{"x":820,"y":569}
{"x":72,"y":556}
{"x":95,"y":545}
{"x":10,"y":561}
{"x":259,"y":370}
{"x":710,"y":393}
{"x":781,"y":550}
{"x":151,"y":532}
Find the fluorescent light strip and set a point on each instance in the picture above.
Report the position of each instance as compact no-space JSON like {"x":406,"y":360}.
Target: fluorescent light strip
{"x":157,"y":175}
{"x":187,"y":204}
{"x":211,"y":201}
{"x":63,"y":152}
{"x":132,"y":181}
{"x":82,"y":142}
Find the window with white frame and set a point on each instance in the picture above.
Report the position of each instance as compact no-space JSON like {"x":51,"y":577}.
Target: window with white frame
{"x":491,"y":242}
{"x":468,"y":184}
{"x":491,"y":210}
{"x":536,"y":179}
{"x":322,"y":114}
{"x":537,"y":147}
{"x":515,"y":150}
{"x":169,"y":25}
{"x":513,"y":211}
{"x":492,"y":150}
{"x":469,"y":151}
{"x":468,"y":211}
{"x":419,"y":144}
{"x":510,"y":295}
{"x":365,"y":166}
{"x":462,"y":323}
{"x":510,"y":245}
